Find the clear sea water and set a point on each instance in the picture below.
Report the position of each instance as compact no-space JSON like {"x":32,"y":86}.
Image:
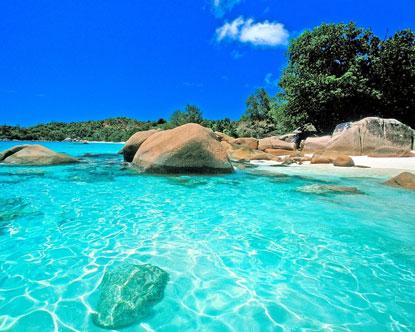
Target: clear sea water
{"x":244,"y":252}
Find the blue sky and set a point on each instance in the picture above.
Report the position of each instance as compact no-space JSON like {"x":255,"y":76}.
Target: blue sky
{"x":77,"y":60}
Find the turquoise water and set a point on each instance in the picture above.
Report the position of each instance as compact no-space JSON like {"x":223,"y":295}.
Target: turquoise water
{"x":244,"y":252}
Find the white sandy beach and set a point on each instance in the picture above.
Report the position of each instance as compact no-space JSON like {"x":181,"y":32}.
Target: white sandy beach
{"x":377,"y":167}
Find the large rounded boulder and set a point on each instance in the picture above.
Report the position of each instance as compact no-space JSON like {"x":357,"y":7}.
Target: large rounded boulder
{"x":134,"y":142}
{"x":34,"y":155}
{"x":190,"y":148}
{"x":343,"y":161}
{"x":367,"y":135}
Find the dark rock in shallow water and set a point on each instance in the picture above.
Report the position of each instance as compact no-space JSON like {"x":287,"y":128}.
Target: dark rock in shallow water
{"x":188,"y":181}
{"x":327,"y":189}
{"x":128,"y":293}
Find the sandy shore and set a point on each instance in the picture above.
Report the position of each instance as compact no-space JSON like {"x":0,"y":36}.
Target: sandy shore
{"x":378,"y":167}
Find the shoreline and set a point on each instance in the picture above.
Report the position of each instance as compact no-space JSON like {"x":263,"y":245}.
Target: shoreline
{"x":372,"y":167}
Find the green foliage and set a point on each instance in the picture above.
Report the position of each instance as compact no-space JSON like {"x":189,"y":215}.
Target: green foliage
{"x":116,"y":129}
{"x":340,"y":72}
{"x":192,"y":114}
{"x":258,"y":106}
{"x":264,"y":116}
{"x":225,"y":126}
{"x":393,"y":74}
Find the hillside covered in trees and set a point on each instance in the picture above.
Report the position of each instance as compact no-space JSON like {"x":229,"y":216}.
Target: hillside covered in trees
{"x":335,"y":73}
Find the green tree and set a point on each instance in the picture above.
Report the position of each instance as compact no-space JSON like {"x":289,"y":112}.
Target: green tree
{"x":192,"y":114}
{"x":393,"y":70}
{"x":327,"y":78}
{"x":258,"y":106}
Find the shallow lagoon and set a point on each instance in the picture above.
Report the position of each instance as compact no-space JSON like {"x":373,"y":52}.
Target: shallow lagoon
{"x":244,"y":252}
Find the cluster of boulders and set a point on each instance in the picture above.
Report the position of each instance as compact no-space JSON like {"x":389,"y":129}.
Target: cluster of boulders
{"x":34,"y":155}
{"x":192,"y":148}
{"x":270,"y":148}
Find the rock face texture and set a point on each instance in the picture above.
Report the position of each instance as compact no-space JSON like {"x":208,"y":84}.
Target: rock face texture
{"x":390,"y":152}
{"x":316,"y":144}
{"x":274,"y":143}
{"x":246,"y":142}
{"x":224,"y":138}
{"x":12,"y":150}
{"x":245,"y":154}
{"x":134,"y":142}
{"x":403,"y":180}
{"x":367,"y":135}
{"x":34,"y":155}
{"x":190,"y":148}
{"x":128,"y":293}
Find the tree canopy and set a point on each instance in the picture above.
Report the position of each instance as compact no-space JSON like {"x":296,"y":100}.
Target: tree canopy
{"x":340,"y":72}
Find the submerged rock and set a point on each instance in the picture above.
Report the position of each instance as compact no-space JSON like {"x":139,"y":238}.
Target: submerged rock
{"x":326,"y":189}
{"x":190,"y":148}
{"x":35,"y":155}
{"x":128,"y":293}
{"x":403,"y":180}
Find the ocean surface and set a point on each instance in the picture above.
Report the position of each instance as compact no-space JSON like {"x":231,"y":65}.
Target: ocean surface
{"x":245,"y":252}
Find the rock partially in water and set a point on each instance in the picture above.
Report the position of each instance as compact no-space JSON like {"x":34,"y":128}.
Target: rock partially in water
{"x":35,"y":155}
{"x":134,"y":142}
{"x":327,"y":189}
{"x":128,"y":293}
{"x":189,"y":148}
{"x":403,"y":180}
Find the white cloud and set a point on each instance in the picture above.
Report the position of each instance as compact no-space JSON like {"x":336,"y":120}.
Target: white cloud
{"x":247,"y":31}
{"x":220,"y":7}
